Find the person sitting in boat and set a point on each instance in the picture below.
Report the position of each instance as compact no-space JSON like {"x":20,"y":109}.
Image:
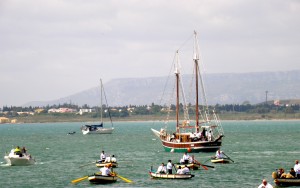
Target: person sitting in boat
{"x":179,"y":170}
{"x":173,"y":138}
{"x":297,"y":169}
{"x":193,"y":137}
{"x":219,"y":154}
{"x":18,"y":151}
{"x":292,"y":172}
{"x":265,"y":184}
{"x":113,"y":159}
{"x":24,"y":150}
{"x":162,"y":169}
{"x":107,"y":159}
{"x":280,"y":173}
{"x":186,"y":170}
{"x":169,"y":167}
{"x":102,"y":157}
{"x":185,"y":158}
{"x":105,"y":171}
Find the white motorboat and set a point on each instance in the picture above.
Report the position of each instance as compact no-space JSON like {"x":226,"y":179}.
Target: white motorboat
{"x":22,"y":159}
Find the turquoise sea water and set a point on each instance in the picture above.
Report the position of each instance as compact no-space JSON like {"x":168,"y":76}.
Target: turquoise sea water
{"x":257,"y":148}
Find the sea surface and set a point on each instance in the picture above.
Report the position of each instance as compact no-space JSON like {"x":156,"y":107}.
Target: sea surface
{"x":256,"y":147}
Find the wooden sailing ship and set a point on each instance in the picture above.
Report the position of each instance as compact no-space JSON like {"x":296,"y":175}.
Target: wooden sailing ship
{"x":205,"y":133}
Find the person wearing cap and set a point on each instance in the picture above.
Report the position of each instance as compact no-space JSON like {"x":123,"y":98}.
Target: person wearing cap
{"x":297,"y":169}
{"x":265,"y":184}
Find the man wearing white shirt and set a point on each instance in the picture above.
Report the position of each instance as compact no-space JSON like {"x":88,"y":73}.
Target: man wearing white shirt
{"x":219,"y":154}
{"x":265,"y":184}
{"x":162,"y":169}
{"x":297,"y":169}
{"x":186,"y":158}
{"x":186,"y":170}
{"x":169,"y":167}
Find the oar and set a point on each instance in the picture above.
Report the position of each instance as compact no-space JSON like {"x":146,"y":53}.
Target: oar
{"x":87,"y":164}
{"x":228,"y":157}
{"x":208,"y":166}
{"x":124,"y":179}
{"x":203,"y":166}
{"x":79,"y":179}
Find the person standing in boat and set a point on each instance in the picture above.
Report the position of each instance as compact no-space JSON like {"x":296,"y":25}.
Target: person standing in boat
{"x":185,"y":158}
{"x":169,"y":167}
{"x":102,"y":157}
{"x":297,"y":169}
{"x":265,"y":184}
{"x":162,"y":169}
{"x":219,"y":154}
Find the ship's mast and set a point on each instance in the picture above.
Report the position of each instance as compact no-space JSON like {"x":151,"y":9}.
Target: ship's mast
{"x":177,"y":72}
{"x":101,"y":105}
{"x":199,"y":77}
{"x":196,"y":59}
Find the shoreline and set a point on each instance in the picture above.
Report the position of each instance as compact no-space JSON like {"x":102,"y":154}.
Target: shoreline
{"x":145,"y":119}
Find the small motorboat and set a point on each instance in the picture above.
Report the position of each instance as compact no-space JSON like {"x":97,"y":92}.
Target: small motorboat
{"x":102,"y":164}
{"x":222,"y":160}
{"x":21,"y":159}
{"x":99,"y":179}
{"x":170,"y":176}
{"x":285,"y":181}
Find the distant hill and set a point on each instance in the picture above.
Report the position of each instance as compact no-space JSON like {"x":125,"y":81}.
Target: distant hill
{"x":226,"y":88}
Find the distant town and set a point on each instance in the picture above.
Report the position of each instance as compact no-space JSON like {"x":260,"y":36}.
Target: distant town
{"x":70,"y":112}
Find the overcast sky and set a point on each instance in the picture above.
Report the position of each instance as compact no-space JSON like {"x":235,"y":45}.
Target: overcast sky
{"x":54,"y":48}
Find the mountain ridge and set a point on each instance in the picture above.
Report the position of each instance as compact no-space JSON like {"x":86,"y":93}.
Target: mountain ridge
{"x":221,"y":88}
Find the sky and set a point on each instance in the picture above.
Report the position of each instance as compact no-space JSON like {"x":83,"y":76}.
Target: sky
{"x":55,"y":48}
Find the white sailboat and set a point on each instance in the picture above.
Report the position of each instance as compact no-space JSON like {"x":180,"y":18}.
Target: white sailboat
{"x":99,"y":128}
{"x":205,"y":133}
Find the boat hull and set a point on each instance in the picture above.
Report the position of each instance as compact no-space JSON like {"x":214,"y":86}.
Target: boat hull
{"x":99,"y":179}
{"x":100,"y":165}
{"x":287,"y":182}
{"x":98,"y":131}
{"x":189,"y":147}
{"x":170,"y":176}
{"x":220,"y":161}
{"x":15,"y":160}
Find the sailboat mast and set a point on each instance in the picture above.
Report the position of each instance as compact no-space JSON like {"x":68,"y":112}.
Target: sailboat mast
{"x":197,"y":72}
{"x":101,"y":106}
{"x":177,"y":92}
{"x":196,"y":59}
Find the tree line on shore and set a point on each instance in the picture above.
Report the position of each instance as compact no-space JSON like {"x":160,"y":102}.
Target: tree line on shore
{"x":153,"y":109}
